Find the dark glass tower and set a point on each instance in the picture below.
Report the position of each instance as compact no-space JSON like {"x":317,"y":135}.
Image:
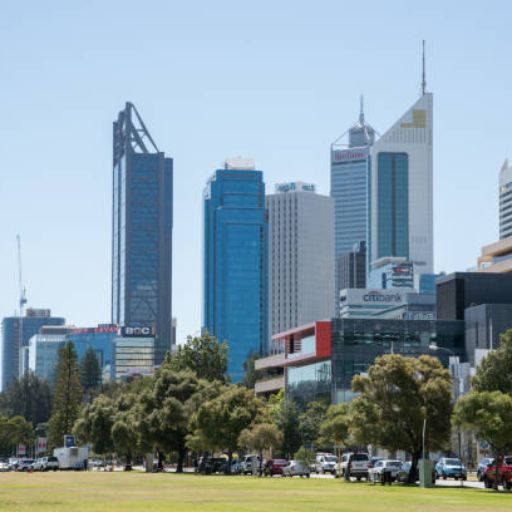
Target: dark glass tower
{"x":235,"y":264}
{"x":142,"y":231}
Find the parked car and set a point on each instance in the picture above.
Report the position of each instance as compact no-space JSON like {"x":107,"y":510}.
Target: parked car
{"x":296,"y":468}
{"x":450,"y":468}
{"x":359,"y":463}
{"x":209,"y":465}
{"x":25,"y":465}
{"x":394,"y":466}
{"x":4,"y":466}
{"x":326,"y":463}
{"x":235,"y":467}
{"x":46,"y":464}
{"x":248,"y":463}
{"x":481,"y":468}
{"x":274,"y":467}
{"x":504,"y":473}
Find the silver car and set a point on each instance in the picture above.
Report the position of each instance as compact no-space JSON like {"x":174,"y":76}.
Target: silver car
{"x":393,"y":466}
{"x":296,"y":468}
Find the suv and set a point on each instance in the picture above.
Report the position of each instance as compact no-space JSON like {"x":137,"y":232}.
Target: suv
{"x":355,"y":464}
{"x":25,"y":465}
{"x":450,"y":468}
{"x":504,"y":473}
{"x":249,"y":464}
{"x":46,"y":464}
{"x":326,"y":463}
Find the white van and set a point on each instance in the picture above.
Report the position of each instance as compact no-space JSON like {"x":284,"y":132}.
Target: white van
{"x":326,"y":463}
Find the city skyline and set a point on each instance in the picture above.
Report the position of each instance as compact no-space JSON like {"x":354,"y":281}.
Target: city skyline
{"x":60,"y":204}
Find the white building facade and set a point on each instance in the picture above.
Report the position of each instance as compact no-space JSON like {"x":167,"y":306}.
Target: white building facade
{"x":301,"y":256}
{"x":401,"y":190}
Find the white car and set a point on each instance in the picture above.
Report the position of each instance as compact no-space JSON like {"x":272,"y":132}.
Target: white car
{"x":394,"y":466}
{"x":326,"y":463}
{"x":4,"y":466}
{"x":359,"y":464}
{"x":296,"y":468}
{"x":46,"y":464}
{"x":249,"y":463}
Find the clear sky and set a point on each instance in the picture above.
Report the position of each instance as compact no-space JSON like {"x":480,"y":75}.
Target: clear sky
{"x":274,"y":80}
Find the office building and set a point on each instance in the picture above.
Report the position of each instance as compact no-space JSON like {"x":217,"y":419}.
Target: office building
{"x":505,"y":200}
{"x":389,"y":273}
{"x":458,"y":291}
{"x":496,"y":257}
{"x":319,"y":360}
{"x":401,"y":206}
{"x":134,"y":354}
{"x":142,"y":231}
{"x":16,"y":333}
{"x":301,"y":256}
{"x":235,"y":249}
{"x":351,"y":268}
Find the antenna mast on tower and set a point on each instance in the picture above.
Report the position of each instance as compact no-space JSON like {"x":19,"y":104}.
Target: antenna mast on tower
{"x":22,"y":302}
{"x":423,"y":77}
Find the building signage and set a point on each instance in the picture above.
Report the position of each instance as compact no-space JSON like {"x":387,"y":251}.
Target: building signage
{"x":382,"y":297}
{"x":22,"y":449}
{"x":69,"y":441}
{"x":137,"y":332}
{"x":370,"y":297}
{"x":348,"y":155}
{"x":41,"y":444}
{"x":295,"y":186}
{"x":96,"y":330}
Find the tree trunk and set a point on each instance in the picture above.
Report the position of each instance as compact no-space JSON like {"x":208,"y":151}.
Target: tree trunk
{"x":497,"y":473}
{"x":182,"y":452}
{"x":261,"y":463}
{"x":128,"y":465}
{"x":230,"y":458}
{"x":160,"y":465}
{"x":413,"y":472}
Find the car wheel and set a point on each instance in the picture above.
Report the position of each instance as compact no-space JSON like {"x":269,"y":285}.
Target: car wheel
{"x":487,"y":483}
{"x":508,"y":485}
{"x":444,"y":476}
{"x":456,"y":477}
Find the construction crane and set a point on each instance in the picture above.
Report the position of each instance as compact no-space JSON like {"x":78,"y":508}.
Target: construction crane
{"x":22,"y":302}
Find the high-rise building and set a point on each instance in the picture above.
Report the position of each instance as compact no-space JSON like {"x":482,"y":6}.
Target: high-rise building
{"x":351,"y":268}
{"x":506,"y":200}
{"x":142,"y":231}
{"x":16,"y":333}
{"x":401,"y":206}
{"x":301,"y":256}
{"x":235,"y":250}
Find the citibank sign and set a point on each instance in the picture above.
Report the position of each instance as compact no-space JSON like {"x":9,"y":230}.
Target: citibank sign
{"x":382,"y":297}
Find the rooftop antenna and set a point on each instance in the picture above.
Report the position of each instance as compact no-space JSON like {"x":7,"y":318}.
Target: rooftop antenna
{"x":423,"y":78}
{"x":361,"y":109}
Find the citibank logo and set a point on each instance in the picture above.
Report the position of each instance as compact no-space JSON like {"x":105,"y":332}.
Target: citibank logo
{"x":382,"y":297}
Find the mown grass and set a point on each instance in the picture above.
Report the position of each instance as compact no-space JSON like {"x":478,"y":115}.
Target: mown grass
{"x":127,"y":492}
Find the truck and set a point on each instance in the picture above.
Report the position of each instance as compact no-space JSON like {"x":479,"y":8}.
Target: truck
{"x":74,"y":457}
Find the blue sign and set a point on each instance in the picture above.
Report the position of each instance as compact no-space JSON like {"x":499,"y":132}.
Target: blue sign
{"x":69,"y":441}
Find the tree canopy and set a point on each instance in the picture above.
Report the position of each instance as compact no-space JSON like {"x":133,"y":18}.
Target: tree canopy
{"x":90,"y":371}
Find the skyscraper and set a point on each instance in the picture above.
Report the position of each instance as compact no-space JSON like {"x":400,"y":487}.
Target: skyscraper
{"x":301,"y":256}
{"x":235,"y":249}
{"x":505,"y":200}
{"x":16,"y":333}
{"x":142,"y":231}
{"x":401,"y":224}
{"x":351,"y":268}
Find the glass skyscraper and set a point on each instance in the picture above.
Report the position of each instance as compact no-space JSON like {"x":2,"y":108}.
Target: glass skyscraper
{"x":235,"y":280}
{"x":142,"y":231}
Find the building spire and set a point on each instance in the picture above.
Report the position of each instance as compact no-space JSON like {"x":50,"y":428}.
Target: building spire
{"x":423,"y":75}
{"x":361,"y":109}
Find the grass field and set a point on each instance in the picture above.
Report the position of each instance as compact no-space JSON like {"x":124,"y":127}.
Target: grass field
{"x":93,"y":491}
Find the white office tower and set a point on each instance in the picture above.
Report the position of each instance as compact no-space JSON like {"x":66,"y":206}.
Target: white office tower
{"x":401,"y":208}
{"x":505,"y":200}
{"x":301,"y":256}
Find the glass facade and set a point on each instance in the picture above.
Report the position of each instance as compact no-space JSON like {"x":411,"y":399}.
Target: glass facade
{"x":235,"y":287}
{"x":142,"y":235}
{"x":309,"y":382}
{"x":393,"y":205}
{"x":133,"y":356}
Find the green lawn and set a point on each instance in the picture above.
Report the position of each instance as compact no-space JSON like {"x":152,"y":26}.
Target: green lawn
{"x":97,"y":491}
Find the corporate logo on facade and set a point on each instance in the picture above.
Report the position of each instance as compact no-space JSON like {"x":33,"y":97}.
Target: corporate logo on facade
{"x":111,"y":328}
{"x":348,"y":155}
{"x":295,"y":186}
{"x":137,"y":332}
{"x":382,"y":297}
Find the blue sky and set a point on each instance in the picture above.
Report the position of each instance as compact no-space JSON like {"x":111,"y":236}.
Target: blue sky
{"x":277,"y":81}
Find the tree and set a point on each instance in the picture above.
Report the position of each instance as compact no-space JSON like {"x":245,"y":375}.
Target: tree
{"x":167,"y":408}
{"x":204,"y":355}
{"x":68,"y":396}
{"x":262,"y":436}
{"x":127,"y":434}
{"x":251,"y":375}
{"x":29,"y":397}
{"x":14,"y":431}
{"x":335,"y":428}
{"x":219,"y":422}
{"x":90,"y":371}
{"x":286,"y":417}
{"x":489,"y":414}
{"x":95,"y":425}
{"x":309,"y":422}
{"x":396,"y":397}
{"x":494,"y":373}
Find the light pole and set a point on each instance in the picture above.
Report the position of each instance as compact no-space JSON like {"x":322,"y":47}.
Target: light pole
{"x":435,"y":347}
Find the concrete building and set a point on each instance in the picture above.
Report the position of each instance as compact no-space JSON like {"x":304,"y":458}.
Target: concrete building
{"x":16,"y":333}
{"x":351,"y":268}
{"x":390,"y":273}
{"x":401,"y":206}
{"x":301,"y":256}
{"x":235,"y":265}
{"x":142,"y":231}
{"x":496,"y":257}
{"x":505,"y":200}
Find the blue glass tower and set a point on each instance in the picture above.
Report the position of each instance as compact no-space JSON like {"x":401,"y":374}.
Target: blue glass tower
{"x":142,"y":231}
{"x":235,"y":286}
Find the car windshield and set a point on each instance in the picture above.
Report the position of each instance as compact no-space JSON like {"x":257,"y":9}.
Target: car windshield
{"x":360,"y":456}
{"x":332,"y":458}
{"x":507,"y":461}
{"x":452,"y":462}
{"x":394,"y":463}
{"x":52,"y":459}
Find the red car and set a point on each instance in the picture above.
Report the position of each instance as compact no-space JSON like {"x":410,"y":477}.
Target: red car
{"x":274,"y":467}
{"x":504,"y":473}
